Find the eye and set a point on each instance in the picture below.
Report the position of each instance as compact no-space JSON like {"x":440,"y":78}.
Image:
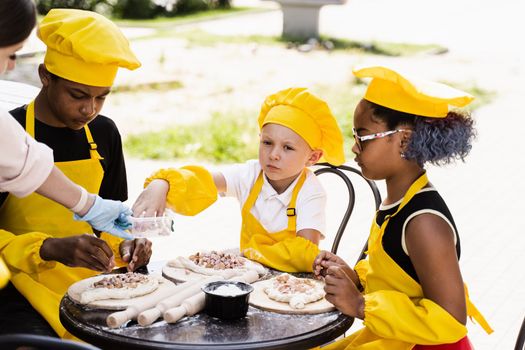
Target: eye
{"x":288,"y":148}
{"x":76,"y":97}
{"x":266,"y":142}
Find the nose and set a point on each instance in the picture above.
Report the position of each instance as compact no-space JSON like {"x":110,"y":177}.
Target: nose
{"x":89,"y":108}
{"x":274,"y":154}
{"x":355,"y":148}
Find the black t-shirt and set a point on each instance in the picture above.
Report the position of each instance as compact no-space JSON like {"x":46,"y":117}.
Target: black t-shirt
{"x":427,"y":200}
{"x":69,"y":145}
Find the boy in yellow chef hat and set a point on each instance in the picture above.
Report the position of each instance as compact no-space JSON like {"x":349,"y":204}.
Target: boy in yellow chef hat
{"x":41,"y":243}
{"x":282,"y":201}
{"x":409,"y":291}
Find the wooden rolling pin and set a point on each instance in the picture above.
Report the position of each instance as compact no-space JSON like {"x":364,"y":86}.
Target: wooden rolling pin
{"x":191,"y":306}
{"x":147,"y":317}
{"x":117,"y":319}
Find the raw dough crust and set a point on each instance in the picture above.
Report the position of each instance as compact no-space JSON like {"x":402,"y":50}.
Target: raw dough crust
{"x":147,"y":285}
{"x":185,"y":263}
{"x":259,"y":299}
{"x":296,"y":291}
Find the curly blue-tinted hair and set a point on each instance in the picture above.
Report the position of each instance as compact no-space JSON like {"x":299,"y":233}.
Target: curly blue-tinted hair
{"x":437,"y":141}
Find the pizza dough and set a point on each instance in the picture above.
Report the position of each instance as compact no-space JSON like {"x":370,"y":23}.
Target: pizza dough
{"x":115,"y":291}
{"x":267,"y":296}
{"x":209,"y":264}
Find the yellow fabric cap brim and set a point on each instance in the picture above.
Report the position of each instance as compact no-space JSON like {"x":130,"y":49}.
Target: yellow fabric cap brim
{"x":400,"y":92}
{"x":296,"y":120}
{"x":87,"y":73}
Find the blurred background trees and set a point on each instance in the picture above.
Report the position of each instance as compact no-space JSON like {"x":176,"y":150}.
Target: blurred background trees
{"x":135,"y":9}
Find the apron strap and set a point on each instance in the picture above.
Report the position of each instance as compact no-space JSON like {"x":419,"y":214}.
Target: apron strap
{"x":30,"y":119}
{"x":30,"y":129}
{"x":254,"y":193}
{"x":92,"y":145}
{"x":290,"y":211}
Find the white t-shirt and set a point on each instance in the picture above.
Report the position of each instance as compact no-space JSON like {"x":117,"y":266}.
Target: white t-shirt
{"x":24,"y":163}
{"x":270,"y":207}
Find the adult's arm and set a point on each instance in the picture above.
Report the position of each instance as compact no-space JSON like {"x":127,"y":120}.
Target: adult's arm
{"x":25,"y":163}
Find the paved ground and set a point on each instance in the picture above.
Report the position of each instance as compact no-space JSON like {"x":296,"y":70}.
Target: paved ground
{"x":485,"y":49}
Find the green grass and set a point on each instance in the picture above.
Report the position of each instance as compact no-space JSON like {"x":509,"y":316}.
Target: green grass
{"x":225,"y":138}
{"x":198,"y":37}
{"x":147,"y":87}
{"x":233,"y":137}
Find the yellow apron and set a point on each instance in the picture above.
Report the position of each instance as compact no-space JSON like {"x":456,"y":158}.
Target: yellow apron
{"x":45,"y":289}
{"x":397,"y":315}
{"x":282,"y":250}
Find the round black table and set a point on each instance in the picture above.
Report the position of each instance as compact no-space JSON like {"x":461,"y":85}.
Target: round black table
{"x":258,"y":330}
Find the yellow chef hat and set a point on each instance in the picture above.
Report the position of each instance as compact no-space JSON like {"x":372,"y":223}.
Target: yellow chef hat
{"x":84,"y":47}
{"x":407,"y":94}
{"x":310,"y":117}
{"x":4,"y":274}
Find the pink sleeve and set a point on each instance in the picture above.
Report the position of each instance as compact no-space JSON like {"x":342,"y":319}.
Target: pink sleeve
{"x":25,"y":164}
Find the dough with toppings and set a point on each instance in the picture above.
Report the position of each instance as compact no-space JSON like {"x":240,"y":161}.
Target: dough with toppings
{"x":295,"y":291}
{"x":120,"y":286}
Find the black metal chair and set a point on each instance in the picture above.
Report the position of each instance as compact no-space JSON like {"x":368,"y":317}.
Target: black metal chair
{"x":40,"y":342}
{"x":520,"y":342}
{"x":325,"y":168}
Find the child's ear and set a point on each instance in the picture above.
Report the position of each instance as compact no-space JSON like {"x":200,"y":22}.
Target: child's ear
{"x":314,"y":157}
{"x":44,"y":75}
{"x":405,"y":138}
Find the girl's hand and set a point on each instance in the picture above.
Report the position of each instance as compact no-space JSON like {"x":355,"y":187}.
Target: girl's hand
{"x":324,"y":260}
{"x":79,"y":251}
{"x":152,"y":201}
{"x":342,"y":292}
{"x":136,"y":253}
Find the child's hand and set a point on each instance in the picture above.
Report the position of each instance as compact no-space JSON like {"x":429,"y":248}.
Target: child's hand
{"x":324,"y":260}
{"x":342,"y":292}
{"x":152,"y":201}
{"x":136,"y":253}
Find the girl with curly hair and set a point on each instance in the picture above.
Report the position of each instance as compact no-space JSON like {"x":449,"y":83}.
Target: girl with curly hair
{"x":409,"y":291}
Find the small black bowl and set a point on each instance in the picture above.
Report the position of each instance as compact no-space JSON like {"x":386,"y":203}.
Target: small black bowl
{"x":226,"y":307}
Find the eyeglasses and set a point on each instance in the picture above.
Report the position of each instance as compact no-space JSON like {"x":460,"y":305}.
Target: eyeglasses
{"x":359,"y":139}
{"x":12,"y":57}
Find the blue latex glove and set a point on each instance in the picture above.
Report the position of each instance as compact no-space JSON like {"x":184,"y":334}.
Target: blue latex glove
{"x":108,"y":216}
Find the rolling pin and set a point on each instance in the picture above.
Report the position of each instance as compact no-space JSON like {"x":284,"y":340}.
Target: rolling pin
{"x":191,"y":306}
{"x":117,"y":319}
{"x":148,"y":316}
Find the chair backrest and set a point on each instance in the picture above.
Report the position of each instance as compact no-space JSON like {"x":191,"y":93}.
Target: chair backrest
{"x":520,"y":342}
{"x":340,"y":171}
{"x":41,"y":342}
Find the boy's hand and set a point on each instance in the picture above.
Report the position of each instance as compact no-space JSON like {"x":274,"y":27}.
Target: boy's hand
{"x":79,"y":251}
{"x":342,"y":292}
{"x":324,"y":260}
{"x":136,"y":253}
{"x":152,"y":201}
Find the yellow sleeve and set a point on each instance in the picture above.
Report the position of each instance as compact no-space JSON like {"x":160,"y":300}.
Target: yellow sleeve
{"x":361,"y":269}
{"x":290,"y":255}
{"x":22,"y":252}
{"x":192,"y":188}
{"x":393,"y":315}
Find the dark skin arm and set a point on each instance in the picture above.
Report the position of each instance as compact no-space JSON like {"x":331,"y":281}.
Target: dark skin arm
{"x":430,"y":244}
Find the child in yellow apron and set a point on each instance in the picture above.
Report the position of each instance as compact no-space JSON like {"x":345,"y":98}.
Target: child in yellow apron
{"x":40,"y":242}
{"x":282,"y":201}
{"x":409,"y":290}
